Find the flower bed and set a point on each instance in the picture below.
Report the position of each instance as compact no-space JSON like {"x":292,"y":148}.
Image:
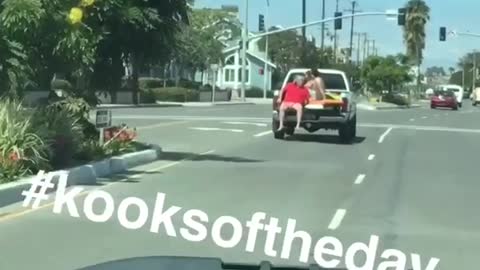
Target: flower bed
{"x":55,"y":137}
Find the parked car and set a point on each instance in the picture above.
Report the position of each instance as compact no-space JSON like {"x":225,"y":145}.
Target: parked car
{"x":444,"y":99}
{"x":341,"y":116}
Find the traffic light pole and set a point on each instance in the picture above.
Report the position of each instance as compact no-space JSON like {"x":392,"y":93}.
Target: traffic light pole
{"x":244,"y":52}
{"x":246,"y":38}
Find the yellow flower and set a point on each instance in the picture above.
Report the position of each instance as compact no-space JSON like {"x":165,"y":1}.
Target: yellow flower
{"x":86,"y":3}
{"x":76,"y":15}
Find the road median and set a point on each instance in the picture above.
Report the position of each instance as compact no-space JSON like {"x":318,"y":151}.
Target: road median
{"x":87,"y":174}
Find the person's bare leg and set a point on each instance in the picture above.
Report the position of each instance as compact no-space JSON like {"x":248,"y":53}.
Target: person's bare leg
{"x":299,"y":110}
{"x":281,"y":117}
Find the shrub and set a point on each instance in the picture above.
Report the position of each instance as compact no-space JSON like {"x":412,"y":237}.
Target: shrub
{"x":78,"y":109}
{"x":256,"y":92}
{"x":149,"y":83}
{"x":63,"y":133}
{"x":189,"y":84}
{"x":61,"y":85}
{"x":22,"y":148}
{"x":175,"y":94}
{"x":90,"y":150}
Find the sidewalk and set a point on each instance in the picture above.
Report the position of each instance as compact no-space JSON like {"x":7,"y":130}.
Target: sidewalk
{"x":160,"y":104}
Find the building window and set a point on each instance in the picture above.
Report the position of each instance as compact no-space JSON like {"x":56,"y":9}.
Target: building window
{"x":229,"y":75}
{"x":240,"y":74}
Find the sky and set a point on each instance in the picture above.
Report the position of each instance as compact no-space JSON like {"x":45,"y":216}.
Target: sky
{"x":459,"y":15}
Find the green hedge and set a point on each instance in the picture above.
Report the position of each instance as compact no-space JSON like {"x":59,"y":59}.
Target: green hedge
{"x":150,"y":83}
{"x":175,"y":94}
{"x":256,"y":92}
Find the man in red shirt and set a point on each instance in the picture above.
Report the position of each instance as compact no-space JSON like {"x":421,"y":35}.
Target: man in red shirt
{"x":296,"y":96}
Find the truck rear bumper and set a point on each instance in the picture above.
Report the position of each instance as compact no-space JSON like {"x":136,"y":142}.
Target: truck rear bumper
{"x":311,"y":119}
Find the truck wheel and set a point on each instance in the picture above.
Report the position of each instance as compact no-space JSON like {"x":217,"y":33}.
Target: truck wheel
{"x":290,"y":131}
{"x":279,"y":135}
{"x":354,"y":127}
{"x":347,"y":131}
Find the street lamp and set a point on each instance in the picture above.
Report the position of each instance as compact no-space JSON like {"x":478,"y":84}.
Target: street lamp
{"x":214,"y":68}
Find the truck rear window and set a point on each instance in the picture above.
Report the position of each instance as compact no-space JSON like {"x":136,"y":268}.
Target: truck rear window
{"x":332,"y":81}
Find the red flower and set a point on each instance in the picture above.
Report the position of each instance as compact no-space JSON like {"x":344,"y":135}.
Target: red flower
{"x":13,"y":156}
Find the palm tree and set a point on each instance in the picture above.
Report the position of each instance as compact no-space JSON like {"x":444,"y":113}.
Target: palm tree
{"x":418,"y":14}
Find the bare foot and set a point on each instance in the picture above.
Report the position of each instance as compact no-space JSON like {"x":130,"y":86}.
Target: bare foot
{"x":280,"y":129}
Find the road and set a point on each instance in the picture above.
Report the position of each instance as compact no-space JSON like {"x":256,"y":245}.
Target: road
{"x":410,"y":178}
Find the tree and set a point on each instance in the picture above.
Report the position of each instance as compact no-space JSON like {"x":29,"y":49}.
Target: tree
{"x":201,"y":43}
{"x":435,"y":71}
{"x":385,"y":73}
{"x":418,"y":14}
{"x":451,"y":70}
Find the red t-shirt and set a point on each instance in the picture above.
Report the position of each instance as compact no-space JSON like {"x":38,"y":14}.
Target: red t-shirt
{"x":296,"y":94}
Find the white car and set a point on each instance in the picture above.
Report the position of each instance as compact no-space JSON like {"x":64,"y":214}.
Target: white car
{"x":458,"y":90}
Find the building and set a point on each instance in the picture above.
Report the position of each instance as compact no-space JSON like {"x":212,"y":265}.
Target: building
{"x":229,"y":75}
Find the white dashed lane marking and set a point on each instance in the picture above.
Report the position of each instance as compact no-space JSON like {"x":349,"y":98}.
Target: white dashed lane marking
{"x":337,"y":219}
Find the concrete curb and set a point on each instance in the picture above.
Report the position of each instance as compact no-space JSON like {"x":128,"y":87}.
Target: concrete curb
{"x":130,"y":106}
{"x":393,"y":107}
{"x":84,"y":175}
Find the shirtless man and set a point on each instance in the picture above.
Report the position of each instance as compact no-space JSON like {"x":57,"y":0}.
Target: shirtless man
{"x":316,"y":83}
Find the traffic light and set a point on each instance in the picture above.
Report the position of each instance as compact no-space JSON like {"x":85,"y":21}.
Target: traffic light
{"x":261,"y":23}
{"x":402,"y":15}
{"x":443,"y":33}
{"x":338,"y":21}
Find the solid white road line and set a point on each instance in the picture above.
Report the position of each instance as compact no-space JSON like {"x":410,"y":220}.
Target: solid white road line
{"x":217,"y":129}
{"x":413,"y":119}
{"x":337,"y":219}
{"x":371,"y":157}
{"x":246,"y":123}
{"x":261,"y":134}
{"x":382,"y":138}
{"x":162,"y":125}
{"x":360,"y":179}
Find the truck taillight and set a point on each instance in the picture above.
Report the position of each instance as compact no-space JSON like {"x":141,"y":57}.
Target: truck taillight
{"x":345,"y":105}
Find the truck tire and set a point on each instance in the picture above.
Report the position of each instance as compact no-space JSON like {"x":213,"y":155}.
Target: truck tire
{"x":347,"y":131}
{"x":279,"y":135}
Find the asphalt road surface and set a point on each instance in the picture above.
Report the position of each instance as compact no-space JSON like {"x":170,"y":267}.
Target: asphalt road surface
{"x":411,"y":178}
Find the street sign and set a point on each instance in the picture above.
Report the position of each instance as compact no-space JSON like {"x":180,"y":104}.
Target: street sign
{"x":103,"y":119}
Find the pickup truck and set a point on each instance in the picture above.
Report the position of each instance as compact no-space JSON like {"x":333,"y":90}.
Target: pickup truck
{"x":341,"y":117}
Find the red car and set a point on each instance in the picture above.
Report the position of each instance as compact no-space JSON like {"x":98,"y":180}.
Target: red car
{"x":444,"y":99}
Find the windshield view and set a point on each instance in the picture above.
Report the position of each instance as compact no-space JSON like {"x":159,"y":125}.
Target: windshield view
{"x":239,"y":134}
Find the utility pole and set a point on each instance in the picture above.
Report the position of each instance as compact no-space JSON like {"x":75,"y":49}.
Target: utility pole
{"x":474,"y":77}
{"x":244,"y":52}
{"x":373,"y":48}
{"x":358,"y":48}
{"x":335,"y":39}
{"x":365,"y":40}
{"x":266,"y":72}
{"x":304,"y":30}
{"x":323,"y":25}
{"x":354,"y":3}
